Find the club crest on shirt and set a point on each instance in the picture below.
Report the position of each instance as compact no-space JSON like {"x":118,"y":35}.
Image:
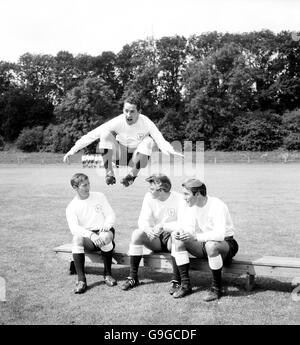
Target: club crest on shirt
{"x":171,"y":212}
{"x":140,"y":136}
{"x":98,"y":208}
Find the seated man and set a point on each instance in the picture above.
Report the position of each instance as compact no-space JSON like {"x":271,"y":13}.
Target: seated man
{"x":160,"y":206}
{"x":90,"y":219}
{"x":127,"y":138}
{"x":205,"y":230}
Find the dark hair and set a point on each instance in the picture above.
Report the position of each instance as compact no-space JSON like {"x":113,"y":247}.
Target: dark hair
{"x":161,"y":181}
{"x":77,"y":179}
{"x":134,"y":99}
{"x":201,"y":189}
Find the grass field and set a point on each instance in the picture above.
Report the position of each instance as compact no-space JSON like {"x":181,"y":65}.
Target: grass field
{"x":264,"y":202}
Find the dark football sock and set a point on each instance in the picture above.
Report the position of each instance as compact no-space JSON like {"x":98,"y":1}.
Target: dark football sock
{"x":79,"y":260}
{"x":217,"y":279}
{"x":184,"y":275}
{"x":175,"y":273}
{"x":107,"y":260}
{"x":107,"y":158}
{"x":134,"y":265}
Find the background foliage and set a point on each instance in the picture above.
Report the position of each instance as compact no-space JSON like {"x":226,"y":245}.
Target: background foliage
{"x":234,"y":91}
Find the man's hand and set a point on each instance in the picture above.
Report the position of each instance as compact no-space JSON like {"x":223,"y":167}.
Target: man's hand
{"x":151,"y":234}
{"x":96,"y":239}
{"x":183,"y":236}
{"x":158,"y":229}
{"x":66,"y":158}
{"x":104,"y":229}
{"x":175,"y":153}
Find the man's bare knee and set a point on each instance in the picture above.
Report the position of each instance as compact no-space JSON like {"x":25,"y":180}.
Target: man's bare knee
{"x":77,"y":240}
{"x":149,"y":142}
{"x":212,"y":248}
{"x":179,"y":246}
{"x":107,"y":237}
{"x":138,"y":236}
{"x":77,"y":244}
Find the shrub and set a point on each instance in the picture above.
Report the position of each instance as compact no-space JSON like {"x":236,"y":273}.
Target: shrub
{"x":60,"y":138}
{"x":2,"y":143}
{"x":30,"y":139}
{"x":292,"y":141}
{"x":291,"y":120}
{"x":57,"y":138}
{"x":172,"y":125}
{"x":257,"y":131}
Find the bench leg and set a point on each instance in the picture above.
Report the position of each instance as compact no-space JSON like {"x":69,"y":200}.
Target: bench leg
{"x":250,"y":282}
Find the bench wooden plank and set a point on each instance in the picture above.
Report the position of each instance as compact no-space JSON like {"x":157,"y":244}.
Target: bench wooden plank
{"x":266,"y":265}
{"x":273,"y":261}
{"x":277,"y":261}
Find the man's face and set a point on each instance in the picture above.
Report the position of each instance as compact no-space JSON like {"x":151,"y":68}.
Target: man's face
{"x":131,"y":113}
{"x":83,"y":190}
{"x":155,"y":192}
{"x":189,"y":197}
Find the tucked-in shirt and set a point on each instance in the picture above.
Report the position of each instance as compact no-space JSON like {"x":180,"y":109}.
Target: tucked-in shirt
{"x":128,"y":135}
{"x":95,"y":212}
{"x":155,"y":212}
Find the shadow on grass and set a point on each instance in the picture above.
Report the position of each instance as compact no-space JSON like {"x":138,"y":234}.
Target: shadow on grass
{"x":234,"y":286}
{"x":95,"y":284}
{"x":264,"y":284}
{"x":261,"y":285}
{"x":121,"y":273}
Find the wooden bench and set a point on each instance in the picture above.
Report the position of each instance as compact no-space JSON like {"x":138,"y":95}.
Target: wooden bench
{"x":264,"y":266}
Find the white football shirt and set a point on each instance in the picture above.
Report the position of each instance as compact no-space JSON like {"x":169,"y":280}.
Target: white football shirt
{"x":89,"y":214}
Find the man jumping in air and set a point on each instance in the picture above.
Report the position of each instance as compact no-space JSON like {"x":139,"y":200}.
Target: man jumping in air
{"x":128,"y":139}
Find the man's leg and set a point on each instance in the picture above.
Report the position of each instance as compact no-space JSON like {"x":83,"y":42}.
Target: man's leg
{"x":138,"y":239}
{"x":176,"y":280}
{"x":139,"y":160}
{"x":216,"y":251}
{"x":108,"y":147}
{"x":182,"y":261}
{"x":79,"y":259}
{"x":107,"y":253}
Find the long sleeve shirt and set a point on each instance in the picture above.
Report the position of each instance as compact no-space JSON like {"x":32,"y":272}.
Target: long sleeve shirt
{"x":128,"y":135}
{"x":212,"y":222}
{"x":155,"y":212}
{"x":95,"y":212}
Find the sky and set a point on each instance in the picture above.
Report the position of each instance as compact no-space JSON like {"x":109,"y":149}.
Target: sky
{"x":93,"y":26}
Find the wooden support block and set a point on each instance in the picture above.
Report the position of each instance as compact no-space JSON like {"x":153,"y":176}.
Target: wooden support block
{"x":250,"y":282}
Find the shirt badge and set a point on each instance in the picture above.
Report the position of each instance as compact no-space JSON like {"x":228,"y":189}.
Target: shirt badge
{"x":171,"y":212}
{"x":98,"y":208}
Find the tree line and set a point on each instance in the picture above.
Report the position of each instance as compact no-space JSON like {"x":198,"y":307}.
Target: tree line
{"x":232,"y":91}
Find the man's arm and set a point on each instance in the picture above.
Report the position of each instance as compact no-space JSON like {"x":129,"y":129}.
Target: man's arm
{"x":172,"y":226}
{"x":214,"y":235}
{"x":162,"y":144}
{"x":75,"y":228}
{"x":217,"y":233}
{"x":90,"y":137}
